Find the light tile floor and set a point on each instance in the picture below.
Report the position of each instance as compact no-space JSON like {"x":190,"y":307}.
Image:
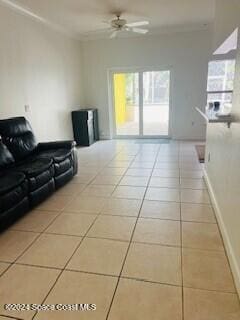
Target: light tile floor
{"x":133,"y":233}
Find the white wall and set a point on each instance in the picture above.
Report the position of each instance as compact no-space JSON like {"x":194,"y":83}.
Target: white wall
{"x":187,"y":55}
{"x":227,"y":18}
{"x":40,"y":68}
{"x":223,"y":170}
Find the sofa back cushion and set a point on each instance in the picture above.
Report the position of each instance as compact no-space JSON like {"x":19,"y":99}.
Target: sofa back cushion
{"x":6,"y":158}
{"x":17,"y":135}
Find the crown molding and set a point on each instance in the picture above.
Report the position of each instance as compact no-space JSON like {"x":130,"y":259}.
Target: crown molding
{"x":30,"y":14}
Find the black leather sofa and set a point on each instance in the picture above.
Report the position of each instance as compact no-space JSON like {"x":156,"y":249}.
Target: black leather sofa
{"x":30,"y":171}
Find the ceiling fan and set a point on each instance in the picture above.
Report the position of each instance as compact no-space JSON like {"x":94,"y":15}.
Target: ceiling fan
{"x":118,"y":25}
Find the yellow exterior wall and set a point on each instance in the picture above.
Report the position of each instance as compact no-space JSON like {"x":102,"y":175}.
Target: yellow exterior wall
{"x":120,"y":98}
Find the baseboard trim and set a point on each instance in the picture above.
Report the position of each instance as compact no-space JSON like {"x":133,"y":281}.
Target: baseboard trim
{"x":102,"y":137}
{"x":229,"y":250}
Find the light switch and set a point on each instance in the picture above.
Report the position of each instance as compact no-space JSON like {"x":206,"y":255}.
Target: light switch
{"x":209,"y":157}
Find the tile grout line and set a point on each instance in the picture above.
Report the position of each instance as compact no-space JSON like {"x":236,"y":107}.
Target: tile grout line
{"x":39,"y":235}
{"x":111,"y":215}
{"x":130,"y":242}
{"x":29,"y":246}
{"x":61,"y":272}
{"x":109,"y":197}
{"x":10,"y":317}
{"x":64,"y":268}
{"x":128,"y":277}
{"x":107,"y":166}
{"x":118,"y":240}
{"x":115,"y":187}
{"x":181,"y":239}
{"x":74,"y":197}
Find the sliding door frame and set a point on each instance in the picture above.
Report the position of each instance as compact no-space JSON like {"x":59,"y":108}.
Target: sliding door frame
{"x":111,"y":102}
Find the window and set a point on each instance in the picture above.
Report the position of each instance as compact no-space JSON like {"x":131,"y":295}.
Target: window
{"x":220,"y":81}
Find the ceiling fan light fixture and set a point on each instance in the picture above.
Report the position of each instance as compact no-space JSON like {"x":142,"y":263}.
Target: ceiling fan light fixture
{"x":118,"y":23}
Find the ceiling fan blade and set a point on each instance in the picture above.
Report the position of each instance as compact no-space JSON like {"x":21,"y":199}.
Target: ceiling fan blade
{"x":137,"y":24}
{"x":113,"y":34}
{"x":138,"y":30}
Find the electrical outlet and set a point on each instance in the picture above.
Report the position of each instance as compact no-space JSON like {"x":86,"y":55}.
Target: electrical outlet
{"x":27,"y":108}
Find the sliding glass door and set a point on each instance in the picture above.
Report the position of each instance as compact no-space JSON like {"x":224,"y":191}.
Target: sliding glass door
{"x":141,"y":103}
{"x":156,"y":86}
{"x":126,"y":103}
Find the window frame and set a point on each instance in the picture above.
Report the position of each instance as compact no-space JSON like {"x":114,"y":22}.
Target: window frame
{"x":222,"y":92}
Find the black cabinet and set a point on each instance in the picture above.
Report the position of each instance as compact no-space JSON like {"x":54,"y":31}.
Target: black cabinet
{"x":85,"y":126}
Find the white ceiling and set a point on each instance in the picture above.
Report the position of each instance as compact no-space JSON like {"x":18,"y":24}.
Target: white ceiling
{"x":86,"y":16}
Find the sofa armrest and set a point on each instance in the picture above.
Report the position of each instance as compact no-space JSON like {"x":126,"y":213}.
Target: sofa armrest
{"x":68,"y":144}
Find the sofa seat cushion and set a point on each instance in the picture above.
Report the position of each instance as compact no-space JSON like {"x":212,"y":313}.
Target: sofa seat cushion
{"x":13,"y":189}
{"x":41,"y":179}
{"x":35,"y":166}
{"x":39,"y":171}
{"x":58,"y":155}
{"x":10,"y":180}
{"x":61,"y":167}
